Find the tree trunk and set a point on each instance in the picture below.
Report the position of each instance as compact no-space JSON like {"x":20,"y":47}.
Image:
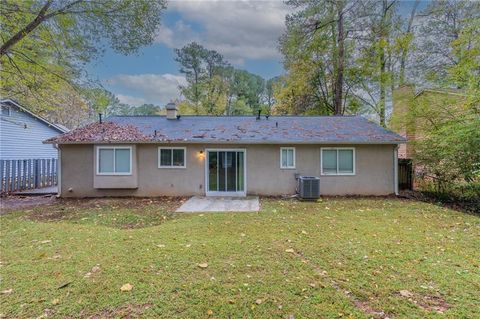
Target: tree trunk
{"x":383,"y":43}
{"x":403,"y":59}
{"x":196,"y":93}
{"x":383,"y":88}
{"x":338,"y":102}
{"x":26,"y":30}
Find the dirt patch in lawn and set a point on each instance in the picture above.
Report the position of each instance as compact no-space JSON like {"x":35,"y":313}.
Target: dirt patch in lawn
{"x":466,"y":205}
{"x":122,"y":213}
{"x":363,"y":306}
{"x":427,"y":302}
{"x":120,"y":202}
{"x":433,"y":303}
{"x":126,"y":312}
{"x":12,"y":203}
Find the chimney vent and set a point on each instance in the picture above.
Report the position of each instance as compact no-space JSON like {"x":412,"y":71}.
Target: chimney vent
{"x":171,"y":111}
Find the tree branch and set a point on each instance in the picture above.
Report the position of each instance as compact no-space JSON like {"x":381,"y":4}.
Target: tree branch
{"x":26,"y":30}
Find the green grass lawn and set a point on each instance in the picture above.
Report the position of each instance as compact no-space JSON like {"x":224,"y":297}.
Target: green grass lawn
{"x":336,"y":258}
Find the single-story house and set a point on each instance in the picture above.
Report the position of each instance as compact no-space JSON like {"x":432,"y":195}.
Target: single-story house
{"x":226,"y":155}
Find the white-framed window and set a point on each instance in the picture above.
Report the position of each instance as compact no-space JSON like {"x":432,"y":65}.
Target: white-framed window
{"x":287,"y":157}
{"x":5,"y":110}
{"x":114,"y":160}
{"x":337,"y":160}
{"x":172,"y":157}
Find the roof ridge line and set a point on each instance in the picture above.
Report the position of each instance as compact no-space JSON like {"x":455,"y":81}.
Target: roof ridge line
{"x":247,"y":116}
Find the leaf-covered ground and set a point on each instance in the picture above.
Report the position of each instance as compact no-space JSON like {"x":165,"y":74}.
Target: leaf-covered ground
{"x":337,"y":258}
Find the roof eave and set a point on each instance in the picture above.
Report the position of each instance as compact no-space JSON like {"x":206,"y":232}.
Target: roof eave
{"x":23,"y":109}
{"x":387,"y":142}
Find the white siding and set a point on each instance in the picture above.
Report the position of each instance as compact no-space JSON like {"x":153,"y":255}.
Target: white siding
{"x":21,"y":136}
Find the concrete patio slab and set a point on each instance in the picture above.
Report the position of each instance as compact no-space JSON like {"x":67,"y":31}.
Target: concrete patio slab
{"x":220,"y":204}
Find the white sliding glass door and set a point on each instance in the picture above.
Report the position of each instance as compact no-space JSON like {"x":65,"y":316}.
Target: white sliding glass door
{"x":225,"y":172}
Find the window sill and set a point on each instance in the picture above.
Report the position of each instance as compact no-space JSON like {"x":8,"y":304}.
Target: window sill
{"x":172,"y":167}
{"x":288,"y":168}
{"x":114,"y":174}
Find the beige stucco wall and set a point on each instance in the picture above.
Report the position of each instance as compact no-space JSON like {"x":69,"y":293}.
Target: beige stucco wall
{"x":117,"y":181}
{"x":374,"y":171}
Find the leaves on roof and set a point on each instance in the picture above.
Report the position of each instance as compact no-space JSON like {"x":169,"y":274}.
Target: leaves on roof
{"x":290,"y":129}
{"x":102,"y":132}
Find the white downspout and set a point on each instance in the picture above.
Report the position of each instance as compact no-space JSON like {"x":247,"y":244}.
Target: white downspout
{"x":395,"y":169}
{"x":59,"y":170}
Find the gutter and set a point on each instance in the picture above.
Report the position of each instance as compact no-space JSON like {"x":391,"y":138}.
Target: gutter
{"x":59,"y":170}
{"x":234,"y":142}
{"x":395,"y":169}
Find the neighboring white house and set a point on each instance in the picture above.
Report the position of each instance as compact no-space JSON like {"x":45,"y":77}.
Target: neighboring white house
{"x":22,"y":133}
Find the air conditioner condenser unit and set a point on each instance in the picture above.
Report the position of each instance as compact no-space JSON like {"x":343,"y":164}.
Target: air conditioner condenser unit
{"x":308,"y":187}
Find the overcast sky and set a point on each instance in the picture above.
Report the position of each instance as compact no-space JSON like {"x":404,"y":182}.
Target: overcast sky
{"x":245,"y":32}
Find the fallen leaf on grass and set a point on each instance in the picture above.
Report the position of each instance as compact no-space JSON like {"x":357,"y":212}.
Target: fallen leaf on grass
{"x":289,"y":250}
{"x":55,"y":301}
{"x":45,"y":241}
{"x":64,"y":285}
{"x":160,"y":246}
{"x":126,"y":287}
{"x":7,"y":291}
{"x":47,"y":312}
{"x":203,"y":265}
{"x":406,"y":293}
{"x":258,"y":301}
{"x":209,"y":312}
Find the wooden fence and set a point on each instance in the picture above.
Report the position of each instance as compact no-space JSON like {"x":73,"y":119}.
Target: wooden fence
{"x":405,"y":174}
{"x":16,"y":175}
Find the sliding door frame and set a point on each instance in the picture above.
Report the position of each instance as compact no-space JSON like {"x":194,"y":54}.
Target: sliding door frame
{"x":226,"y":193}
